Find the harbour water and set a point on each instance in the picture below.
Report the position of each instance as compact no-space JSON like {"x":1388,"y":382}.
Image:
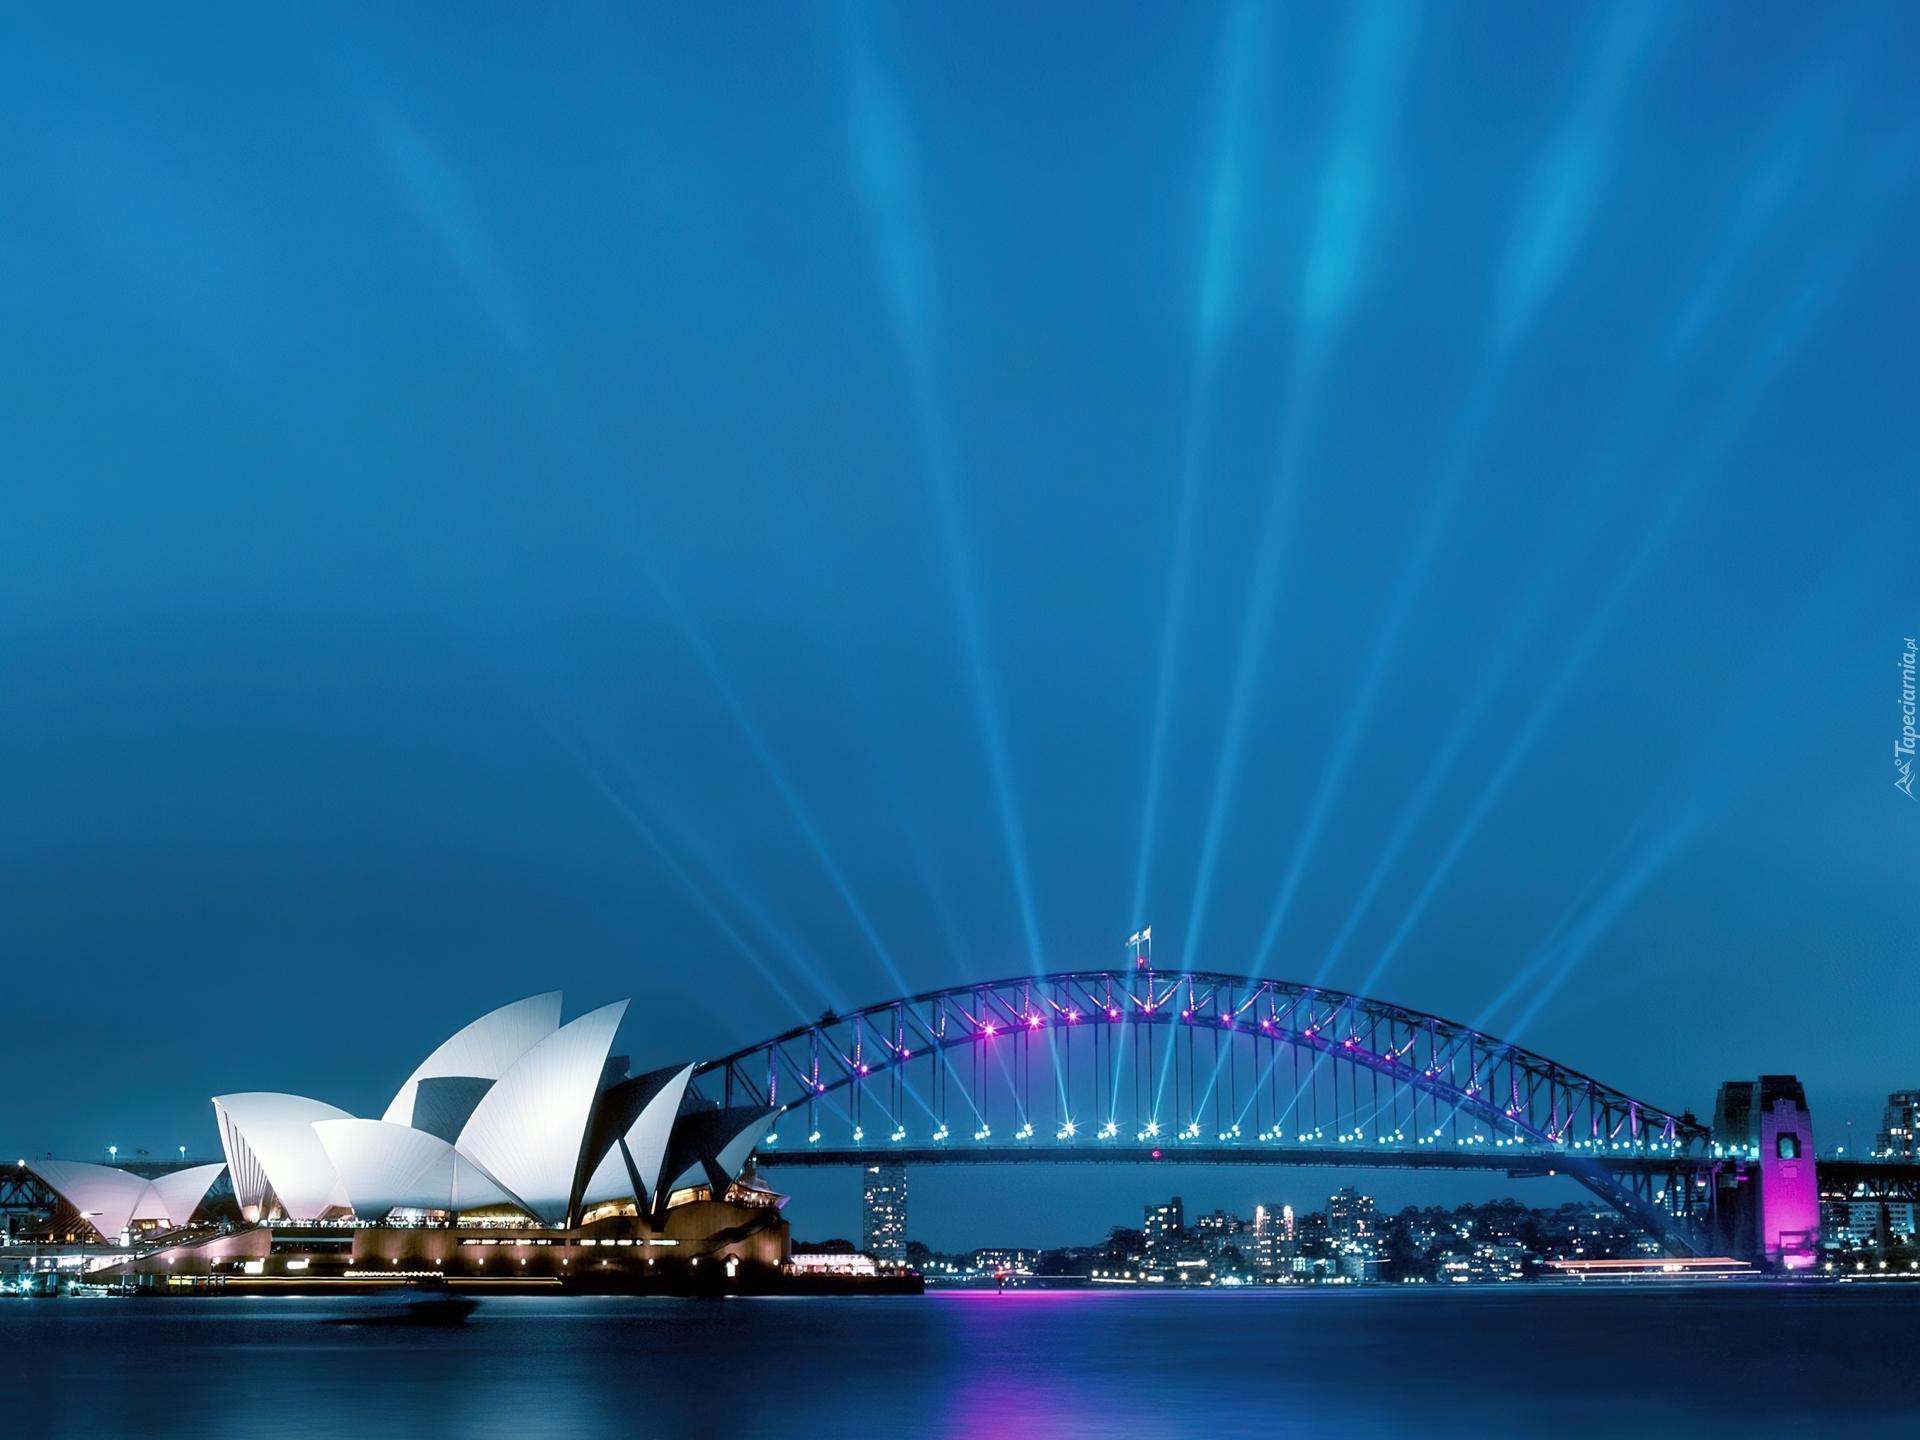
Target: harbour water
{"x":1736,"y":1360}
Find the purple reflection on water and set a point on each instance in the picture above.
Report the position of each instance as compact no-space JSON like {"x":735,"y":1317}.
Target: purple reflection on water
{"x":1358,"y":1363}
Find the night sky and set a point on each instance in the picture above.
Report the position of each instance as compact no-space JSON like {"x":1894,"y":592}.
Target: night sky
{"x":760,"y":508}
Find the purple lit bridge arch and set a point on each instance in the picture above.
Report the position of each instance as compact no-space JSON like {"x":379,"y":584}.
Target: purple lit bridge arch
{"x":1132,"y":1066}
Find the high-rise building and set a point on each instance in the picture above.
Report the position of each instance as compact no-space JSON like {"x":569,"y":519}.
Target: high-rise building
{"x":1217,"y":1230}
{"x":1350,"y":1220}
{"x":1162,"y":1226}
{"x":1350,"y":1230}
{"x":883,"y":1213}
{"x":1272,"y":1237}
{"x":1900,"y":1126}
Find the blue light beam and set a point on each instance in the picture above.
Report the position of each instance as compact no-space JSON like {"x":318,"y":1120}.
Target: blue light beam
{"x":1242,"y":45}
{"x":1726,"y":768}
{"x":1726,"y":424}
{"x":762,"y":752}
{"x":1550,"y":945}
{"x":1347,"y":222}
{"x":1758,"y":204}
{"x":885,"y":167}
{"x":693,"y":888}
{"x":1553,"y":217}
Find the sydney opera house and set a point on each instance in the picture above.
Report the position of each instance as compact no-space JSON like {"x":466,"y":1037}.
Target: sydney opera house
{"x":519,"y":1148}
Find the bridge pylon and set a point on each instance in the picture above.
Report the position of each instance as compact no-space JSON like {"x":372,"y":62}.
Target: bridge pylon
{"x":1767,"y":1194}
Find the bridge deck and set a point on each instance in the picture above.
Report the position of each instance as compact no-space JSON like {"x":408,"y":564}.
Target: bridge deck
{"x":1518,"y":1166}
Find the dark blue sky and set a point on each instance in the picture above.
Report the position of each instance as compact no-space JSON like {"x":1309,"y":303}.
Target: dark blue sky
{"x":754,"y":508}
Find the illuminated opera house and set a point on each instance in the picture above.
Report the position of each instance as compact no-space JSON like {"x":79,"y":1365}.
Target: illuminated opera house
{"x":519,"y":1148}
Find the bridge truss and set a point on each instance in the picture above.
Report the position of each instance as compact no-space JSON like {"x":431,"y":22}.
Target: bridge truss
{"x":1133,"y":1066}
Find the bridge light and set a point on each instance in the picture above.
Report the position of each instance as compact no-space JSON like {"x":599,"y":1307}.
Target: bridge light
{"x":988,"y":1027}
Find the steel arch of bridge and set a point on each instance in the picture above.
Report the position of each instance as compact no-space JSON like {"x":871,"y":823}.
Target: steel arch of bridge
{"x":1135,"y":1065}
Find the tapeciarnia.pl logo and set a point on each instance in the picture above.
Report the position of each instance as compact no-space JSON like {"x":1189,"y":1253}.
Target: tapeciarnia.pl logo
{"x":1903,"y":747}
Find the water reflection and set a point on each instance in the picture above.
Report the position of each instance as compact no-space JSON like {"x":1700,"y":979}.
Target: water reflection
{"x":1757,"y":1361}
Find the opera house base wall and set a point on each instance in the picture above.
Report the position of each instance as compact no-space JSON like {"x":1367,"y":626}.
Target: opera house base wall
{"x":705,"y":1247}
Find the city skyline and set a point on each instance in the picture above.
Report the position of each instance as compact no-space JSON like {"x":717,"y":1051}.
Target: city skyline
{"x":770,"y":514}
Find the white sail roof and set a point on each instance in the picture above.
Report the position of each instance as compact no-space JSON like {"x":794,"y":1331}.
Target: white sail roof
{"x":529,"y":1130}
{"x":270,"y":1144}
{"x":646,"y":1144}
{"x":650,"y":1134}
{"x":730,"y":1161}
{"x":720,"y":1141}
{"x":384,"y":1166}
{"x":149,"y":1206}
{"x":178,"y":1193}
{"x":105,"y":1197}
{"x":486,"y":1049}
{"x":609,"y":1180}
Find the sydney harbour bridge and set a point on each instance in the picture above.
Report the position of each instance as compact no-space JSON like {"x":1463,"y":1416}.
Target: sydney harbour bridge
{"x":1134,"y":1066}
{"x":1102,"y":1066}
